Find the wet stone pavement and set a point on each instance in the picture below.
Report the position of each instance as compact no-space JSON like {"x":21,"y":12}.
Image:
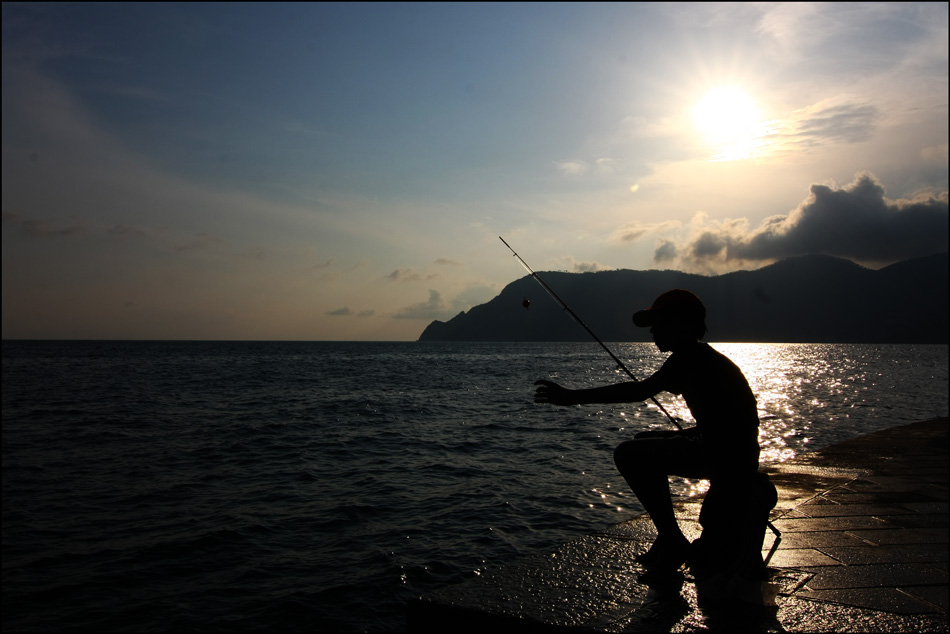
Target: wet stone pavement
{"x":863,"y":548}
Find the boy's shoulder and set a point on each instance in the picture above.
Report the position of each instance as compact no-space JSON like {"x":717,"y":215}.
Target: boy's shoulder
{"x":702,"y":355}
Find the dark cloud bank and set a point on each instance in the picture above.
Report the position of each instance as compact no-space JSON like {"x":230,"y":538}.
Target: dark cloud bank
{"x":855,"y":222}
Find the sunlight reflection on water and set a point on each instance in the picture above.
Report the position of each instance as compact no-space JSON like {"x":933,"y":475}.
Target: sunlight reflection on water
{"x":813,"y":395}
{"x":799,"y":385}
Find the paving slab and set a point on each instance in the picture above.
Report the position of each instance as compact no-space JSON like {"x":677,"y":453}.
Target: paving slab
{"x":802,"y":558}
{"x":939,"y":508}
{"x":842,"y":495}
{"x":863,"y":549}
{"x":886,"y":599}
{"x":826,"y":508}
{"x":903,"y":553}
{"x":874,"y":576}
{"x":819,"y":540}
{"x":816,"y":524}
{"x":902,"y":536}
{"x":934,"y":595}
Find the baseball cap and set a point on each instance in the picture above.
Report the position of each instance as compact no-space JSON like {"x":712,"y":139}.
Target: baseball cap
{"x":675,"y":305}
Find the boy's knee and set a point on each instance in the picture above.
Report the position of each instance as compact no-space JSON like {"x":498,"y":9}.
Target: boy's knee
{"x":619,"y":453}
{"x":631,"y":456}
{"x":623,"y":454}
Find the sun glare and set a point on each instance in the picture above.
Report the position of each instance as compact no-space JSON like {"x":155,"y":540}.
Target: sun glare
{"x":729,"y":122}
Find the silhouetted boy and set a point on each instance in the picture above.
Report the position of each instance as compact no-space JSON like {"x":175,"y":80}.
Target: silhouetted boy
{"x":723,"y":447}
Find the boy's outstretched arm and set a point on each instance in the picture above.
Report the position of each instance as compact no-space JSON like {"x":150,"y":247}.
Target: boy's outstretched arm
{"x":629,"y":392}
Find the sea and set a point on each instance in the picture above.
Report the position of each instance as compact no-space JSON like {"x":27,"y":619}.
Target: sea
{"x":319,"y":486}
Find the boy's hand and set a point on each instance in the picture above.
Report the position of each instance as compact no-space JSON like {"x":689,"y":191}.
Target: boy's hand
{"x":551,"y":392}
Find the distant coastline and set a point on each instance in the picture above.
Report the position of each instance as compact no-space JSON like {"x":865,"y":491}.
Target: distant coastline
{"x":807,"y":299}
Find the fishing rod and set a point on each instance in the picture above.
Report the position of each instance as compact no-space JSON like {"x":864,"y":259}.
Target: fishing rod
{"x":574,"y":316}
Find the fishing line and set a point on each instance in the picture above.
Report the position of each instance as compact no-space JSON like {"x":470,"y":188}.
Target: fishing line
{"x":574,"y":316}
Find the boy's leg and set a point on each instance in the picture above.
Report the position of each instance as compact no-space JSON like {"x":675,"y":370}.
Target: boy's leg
{"x":646,"y":463}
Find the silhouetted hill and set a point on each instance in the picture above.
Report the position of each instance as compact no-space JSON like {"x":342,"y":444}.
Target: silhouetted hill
{"x":811,"y":299}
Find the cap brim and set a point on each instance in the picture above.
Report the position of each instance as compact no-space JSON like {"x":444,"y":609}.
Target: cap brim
{"x":643,"y":318}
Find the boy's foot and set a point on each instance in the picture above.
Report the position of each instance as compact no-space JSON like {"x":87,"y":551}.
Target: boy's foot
{"x":666,"y":553}
{"x":666,"y":581}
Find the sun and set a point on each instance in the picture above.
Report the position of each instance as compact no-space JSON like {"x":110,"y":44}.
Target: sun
{"x":730,"y":122}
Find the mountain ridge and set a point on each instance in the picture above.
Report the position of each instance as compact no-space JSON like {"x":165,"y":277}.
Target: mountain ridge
{"x":803,"y":299}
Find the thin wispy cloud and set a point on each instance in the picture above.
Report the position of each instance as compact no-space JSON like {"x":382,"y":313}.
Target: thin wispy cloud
{"x":46,"y":227}
{"x":404,"y":275}
{"x":346,"y":312}
{"x":200,"y":242}
{"x":124,"y":231}
{"x":634,"y":231}
{"x":572,"y":168}
{"x":830,"y":122}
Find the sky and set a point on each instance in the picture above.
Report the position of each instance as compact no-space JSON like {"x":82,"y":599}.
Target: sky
{"x":344,"y":171}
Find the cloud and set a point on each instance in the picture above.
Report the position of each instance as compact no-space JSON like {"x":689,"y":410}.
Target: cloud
{"x":633,"y":231}
{"x":938,"y":154}
{"x":571,"y":168}
{"x":434,"y":308}
{"x":834,"y":37}
{"x":409,"y":275}
{"x":603,"y":165}
{"x":472,"y":295}
{"x":856,"y":221}
{"x":835,"y":121}
{"x":587,"y":267}
{"x":404,"y":275}
{"x":47,"y":228}
{"x":665,"y":251}
{"x":346,"y":312}
{"x":439,"y":307}
{"x":125,"y":231}
{"x":199,"y":242}
{"x":831,"y":121}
